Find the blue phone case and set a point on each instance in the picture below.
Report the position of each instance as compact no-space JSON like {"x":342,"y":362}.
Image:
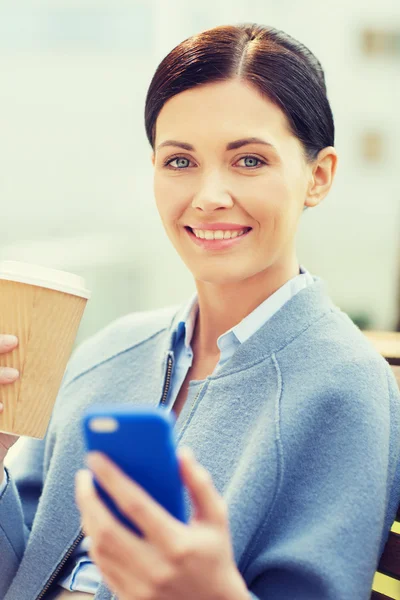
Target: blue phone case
{"x":140,"y":440}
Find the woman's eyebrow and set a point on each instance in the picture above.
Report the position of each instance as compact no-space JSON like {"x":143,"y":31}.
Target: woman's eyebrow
{"x":231,"y":146}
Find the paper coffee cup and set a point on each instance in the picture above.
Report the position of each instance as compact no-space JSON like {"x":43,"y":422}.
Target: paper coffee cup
{"x":43,"y":307}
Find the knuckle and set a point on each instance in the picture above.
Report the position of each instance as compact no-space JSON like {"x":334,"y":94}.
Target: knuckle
{"x":161,"y":579}
{"x":145,"y":593}
{"x":180,"y":553}
{"x":107,"y":569}
{"x":104,"y":539}
{"x":133,"y":507}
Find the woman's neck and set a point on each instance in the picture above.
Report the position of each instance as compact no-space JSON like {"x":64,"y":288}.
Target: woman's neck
{"x":222,"y":306}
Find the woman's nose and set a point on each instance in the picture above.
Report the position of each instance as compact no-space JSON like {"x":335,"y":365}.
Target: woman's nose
{"x":212,"y":196}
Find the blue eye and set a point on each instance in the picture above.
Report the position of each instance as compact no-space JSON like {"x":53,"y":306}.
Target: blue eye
{"x":253,"y":158}
{"x":169,"y":162}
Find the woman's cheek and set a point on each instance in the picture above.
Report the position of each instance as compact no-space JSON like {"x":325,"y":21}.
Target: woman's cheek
{"x":168,"y":204}
{"x":173,"y":217}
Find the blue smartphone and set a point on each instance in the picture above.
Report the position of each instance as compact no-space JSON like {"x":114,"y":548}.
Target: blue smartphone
{"x":140,"y":440}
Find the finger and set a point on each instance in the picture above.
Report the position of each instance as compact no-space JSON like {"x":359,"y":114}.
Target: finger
{"x":112,"y":577}
{"x":114,"y":572}
{"x":155,"y":522}
{"x":209,"y":505}
{"x":110,"y":539}
{"x":7,"y":343}
{"x":8,"y":375}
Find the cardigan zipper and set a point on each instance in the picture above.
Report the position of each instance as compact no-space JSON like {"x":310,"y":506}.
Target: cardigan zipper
{"x":170,"y":364}
{"x":60,"y":565}
{"x":167,"y":383}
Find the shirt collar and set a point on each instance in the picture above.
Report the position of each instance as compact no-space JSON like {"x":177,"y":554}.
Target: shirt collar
{"x":253,"y":321}
{"x":186,"y":318}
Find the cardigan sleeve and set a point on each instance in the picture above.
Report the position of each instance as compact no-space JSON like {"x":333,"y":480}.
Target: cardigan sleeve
{"x":338,"y":493}
{"x":18,"y":506}
{"x":19,"y":501}
{"x":3,"y":484}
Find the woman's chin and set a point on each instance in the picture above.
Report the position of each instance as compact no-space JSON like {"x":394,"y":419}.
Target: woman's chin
{"x":218,"y":276}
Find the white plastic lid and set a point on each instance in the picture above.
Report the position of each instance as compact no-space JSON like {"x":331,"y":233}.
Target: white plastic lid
{"x":52,"y":279}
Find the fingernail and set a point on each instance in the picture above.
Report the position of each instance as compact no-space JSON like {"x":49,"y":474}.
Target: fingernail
{"x":9,"y":373}
{"x":1,"y":407}
{"x":9,"y":340}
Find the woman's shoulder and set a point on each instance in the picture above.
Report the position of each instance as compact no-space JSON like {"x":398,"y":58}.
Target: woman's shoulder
{"x":119,"y":335}
{"x":334,"y":351}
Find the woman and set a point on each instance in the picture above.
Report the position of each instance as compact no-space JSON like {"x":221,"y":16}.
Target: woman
{"x":292,"y":416}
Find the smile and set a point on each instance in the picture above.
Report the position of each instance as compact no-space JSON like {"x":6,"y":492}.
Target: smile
{"x":217,"y":240}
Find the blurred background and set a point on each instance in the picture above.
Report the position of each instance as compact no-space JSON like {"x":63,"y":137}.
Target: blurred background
{"x":76,"y":184}
{"x":76,"y":179}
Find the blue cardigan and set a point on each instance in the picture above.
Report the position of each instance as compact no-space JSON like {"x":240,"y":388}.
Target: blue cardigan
{"x":300,"y":431}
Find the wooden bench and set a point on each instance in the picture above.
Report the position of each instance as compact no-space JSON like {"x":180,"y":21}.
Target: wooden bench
{"x":386,"y":343}
{"x":389,"y":563}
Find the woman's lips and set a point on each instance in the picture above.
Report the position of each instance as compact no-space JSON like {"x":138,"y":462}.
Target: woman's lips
{"x":216,"y":244}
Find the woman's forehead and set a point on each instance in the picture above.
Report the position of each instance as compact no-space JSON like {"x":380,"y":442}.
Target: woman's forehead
{"x":220,"y":119}
{"x":231,"y":99}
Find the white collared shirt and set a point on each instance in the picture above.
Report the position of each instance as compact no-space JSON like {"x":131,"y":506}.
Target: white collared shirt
{"x":229,"y":341}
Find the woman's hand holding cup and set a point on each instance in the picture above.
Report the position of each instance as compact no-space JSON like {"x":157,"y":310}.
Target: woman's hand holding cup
{"x":8,"y":343}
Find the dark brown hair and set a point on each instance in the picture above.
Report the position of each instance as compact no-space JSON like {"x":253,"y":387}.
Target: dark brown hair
{"x":278,"y":66}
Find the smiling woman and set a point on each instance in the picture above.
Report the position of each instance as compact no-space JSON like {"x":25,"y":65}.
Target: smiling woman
{"x":293,"y":417}
{"x":256,"y":185}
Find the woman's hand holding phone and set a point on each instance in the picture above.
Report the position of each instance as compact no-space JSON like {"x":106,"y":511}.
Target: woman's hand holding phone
{"x":169,"y":559}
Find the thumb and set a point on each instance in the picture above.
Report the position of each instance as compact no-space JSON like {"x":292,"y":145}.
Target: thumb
{"x":208,"y":504}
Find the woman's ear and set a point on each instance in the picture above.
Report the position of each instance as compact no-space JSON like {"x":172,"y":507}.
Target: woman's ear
{"x":322,"y":175}
{"x":153,"y":158}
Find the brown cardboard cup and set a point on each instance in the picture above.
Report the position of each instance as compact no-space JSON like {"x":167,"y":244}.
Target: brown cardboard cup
{"x":43,"y":308}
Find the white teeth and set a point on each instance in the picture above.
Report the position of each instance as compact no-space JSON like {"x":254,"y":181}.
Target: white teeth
{"x":217,"y":235}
